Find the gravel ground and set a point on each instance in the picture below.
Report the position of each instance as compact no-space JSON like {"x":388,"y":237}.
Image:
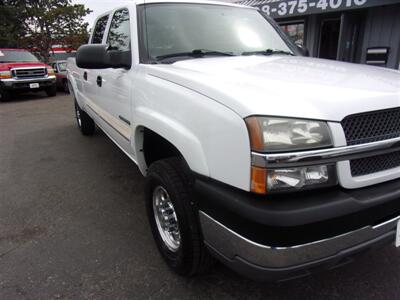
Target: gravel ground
{"x":73,"y":225}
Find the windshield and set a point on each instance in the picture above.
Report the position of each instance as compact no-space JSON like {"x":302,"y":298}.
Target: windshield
{"x":16,"y":56}
{"x":181,"y":28}
{"x":62,"y":67}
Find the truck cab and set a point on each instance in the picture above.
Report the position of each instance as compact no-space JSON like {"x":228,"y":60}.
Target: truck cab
{"x":60,"y":70}
{"x":21,"y":71}
{"x":274,"y":163}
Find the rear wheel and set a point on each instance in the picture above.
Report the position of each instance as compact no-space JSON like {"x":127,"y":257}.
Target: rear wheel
{"x":51,"y":91}
{"x":5,"y":95}
{"x":173,"y":218}
{"x":85,"y":123}
{"x":65,"y":86}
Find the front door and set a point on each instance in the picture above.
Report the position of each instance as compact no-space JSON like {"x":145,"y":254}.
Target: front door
{"x":115,"y":91}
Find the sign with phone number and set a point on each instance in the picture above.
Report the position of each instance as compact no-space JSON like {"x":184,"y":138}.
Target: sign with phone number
{"x":288,"y":8}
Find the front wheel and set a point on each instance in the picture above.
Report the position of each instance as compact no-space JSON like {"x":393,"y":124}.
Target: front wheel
{"x":51,"y":91}
{"x":5,"y":95}
{"x":174,"y":219}
{"x":85,"y":123}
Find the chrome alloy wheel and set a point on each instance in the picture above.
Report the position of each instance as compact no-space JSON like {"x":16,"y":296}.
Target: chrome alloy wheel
{"x":166,"y":219}
{"x":78,"y":116}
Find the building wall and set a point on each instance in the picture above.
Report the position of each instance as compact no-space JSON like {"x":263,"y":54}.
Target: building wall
{"x":382,"y":29}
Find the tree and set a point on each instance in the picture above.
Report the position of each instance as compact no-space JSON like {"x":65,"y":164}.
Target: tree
{"x":45,"y":23}
{"x":11,"y":28}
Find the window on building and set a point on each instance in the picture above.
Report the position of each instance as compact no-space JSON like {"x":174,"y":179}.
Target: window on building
{"x":295,"y":31}
{"x":99,"y":30}
{"x":119,"y":37}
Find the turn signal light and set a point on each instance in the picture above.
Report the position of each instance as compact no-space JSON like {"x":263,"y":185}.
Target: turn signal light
{"x":5,"y":75}
{"x":256,"y":134}
{"x":258,"y":180}
{"x":50,"y":72}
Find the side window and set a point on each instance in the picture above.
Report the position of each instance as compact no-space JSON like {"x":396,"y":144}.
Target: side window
{"x":119,"y":36}
{"x":99,"y":30}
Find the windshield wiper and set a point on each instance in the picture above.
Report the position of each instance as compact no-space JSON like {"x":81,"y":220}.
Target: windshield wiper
{"x":195,"y":53}
{"x":268,"y":52}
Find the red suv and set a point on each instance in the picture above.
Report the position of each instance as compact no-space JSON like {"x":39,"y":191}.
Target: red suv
{"x":21,"y":71}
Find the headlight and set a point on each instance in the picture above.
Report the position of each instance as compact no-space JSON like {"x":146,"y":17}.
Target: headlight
{"x":5,"y":74}
{"x":50,"y":71}
{"x":270,"y":134}
{"x":300,"y":178}
{"x":269,"y":181}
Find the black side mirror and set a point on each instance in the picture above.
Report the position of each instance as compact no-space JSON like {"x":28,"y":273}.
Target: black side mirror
{"x":303,"y":49}
{"x":98,"y":56}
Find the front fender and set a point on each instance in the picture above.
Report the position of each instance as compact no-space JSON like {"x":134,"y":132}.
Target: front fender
{"x":180,"y":136}
{"x":212,"y":138}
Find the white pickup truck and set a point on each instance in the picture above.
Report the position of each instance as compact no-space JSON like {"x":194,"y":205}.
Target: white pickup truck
{"x":275,"y":163}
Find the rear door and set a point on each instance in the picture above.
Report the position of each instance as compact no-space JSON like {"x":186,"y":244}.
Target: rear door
{"x":114,"y":98}
{"x":90,"y":87}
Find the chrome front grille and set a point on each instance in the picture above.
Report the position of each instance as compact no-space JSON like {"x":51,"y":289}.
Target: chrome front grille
{"x":372,"y":126}
{"x":29,"y":73}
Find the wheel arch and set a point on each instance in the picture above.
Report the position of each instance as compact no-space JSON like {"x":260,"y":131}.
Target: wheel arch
{"x":158,"y":139}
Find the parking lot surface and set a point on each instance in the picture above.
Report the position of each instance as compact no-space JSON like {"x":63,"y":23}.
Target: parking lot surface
{"x":73,"y":225}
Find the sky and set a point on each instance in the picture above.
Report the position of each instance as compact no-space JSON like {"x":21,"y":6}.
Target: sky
{"x":98,"y":7}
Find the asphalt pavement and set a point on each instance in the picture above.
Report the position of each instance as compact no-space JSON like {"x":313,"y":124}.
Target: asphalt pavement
{"x":73,"y":225}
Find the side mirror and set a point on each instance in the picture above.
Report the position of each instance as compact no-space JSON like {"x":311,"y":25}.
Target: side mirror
{"x":303,"y":49}
{"x":98,"y":56}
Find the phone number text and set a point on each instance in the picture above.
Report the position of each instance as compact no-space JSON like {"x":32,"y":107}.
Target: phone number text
{"x":302,"y":6}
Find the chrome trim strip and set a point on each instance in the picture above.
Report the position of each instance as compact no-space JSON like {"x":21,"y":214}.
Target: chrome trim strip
{"x":108,"y":122}
{"x":324,"y":156}
{"x":27,"y":80}
{"x":28,"y":68}
{"x":232,"y":245}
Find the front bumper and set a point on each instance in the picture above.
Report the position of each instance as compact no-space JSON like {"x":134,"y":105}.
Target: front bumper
{"x":14,"y":84}
{"x":286,"y":237}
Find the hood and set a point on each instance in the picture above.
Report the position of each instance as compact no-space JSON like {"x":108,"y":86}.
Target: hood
{"x":288,"y":86}
{"x":9,"y":66}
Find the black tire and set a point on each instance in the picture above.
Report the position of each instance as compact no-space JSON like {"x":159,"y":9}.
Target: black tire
{"x":5,"y":95}
{"x":85,"y":123}
{"x":192,"y":257}
{"x":51,"y":91}
{"x":65,"y":86}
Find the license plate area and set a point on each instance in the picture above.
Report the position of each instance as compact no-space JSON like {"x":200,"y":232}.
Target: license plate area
{"x":398,"y":234}
{"x":34,"y":85}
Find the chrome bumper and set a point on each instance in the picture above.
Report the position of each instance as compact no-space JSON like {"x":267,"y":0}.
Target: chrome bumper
{"x":232,"y":246}
{"x":11,"y":81}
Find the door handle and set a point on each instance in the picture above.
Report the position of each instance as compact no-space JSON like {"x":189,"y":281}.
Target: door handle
{"x":85,"y":75}
{"x":99,"y":81}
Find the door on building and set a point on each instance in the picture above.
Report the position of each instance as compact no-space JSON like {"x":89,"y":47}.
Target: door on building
{"x":329,"y":38}
{"x":351,"y":36}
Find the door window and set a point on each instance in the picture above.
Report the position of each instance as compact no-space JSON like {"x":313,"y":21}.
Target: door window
{"x":99,"y":29}
{"x":295,"y":31}
{"x":119,"y":36}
